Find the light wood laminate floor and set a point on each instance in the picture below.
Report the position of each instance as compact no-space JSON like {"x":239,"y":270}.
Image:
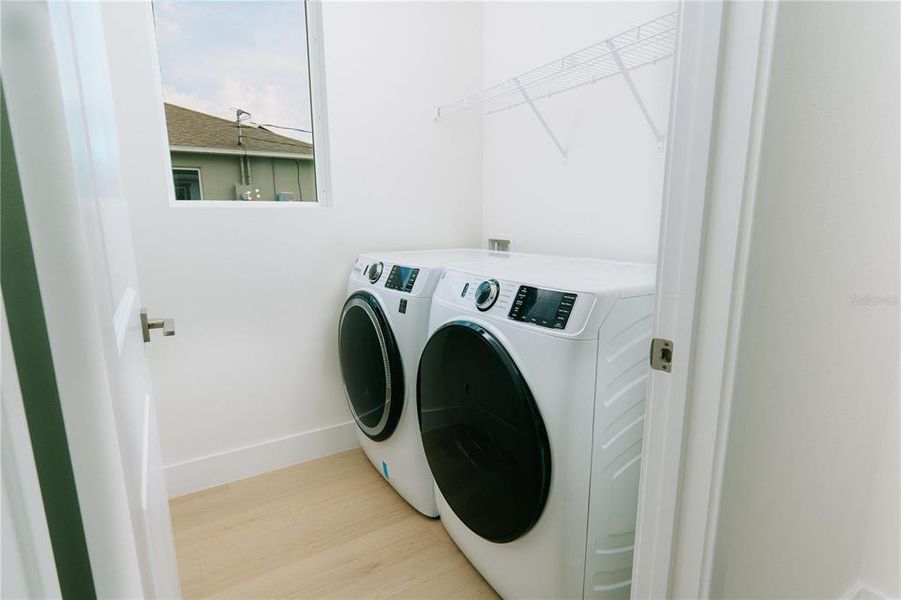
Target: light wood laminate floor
{"x":326,"y":528}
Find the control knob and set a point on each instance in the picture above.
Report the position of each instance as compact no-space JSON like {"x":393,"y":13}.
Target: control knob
{"x":374,"y":271}
{"x":486,"y":294}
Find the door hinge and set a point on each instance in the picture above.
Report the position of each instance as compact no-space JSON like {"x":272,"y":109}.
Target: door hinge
{"x":662,"y":354}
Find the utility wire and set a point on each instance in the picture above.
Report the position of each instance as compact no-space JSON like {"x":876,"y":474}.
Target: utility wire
{"x":255,"y":124}
{"x":281,"y":127}
{"x":263,"y":126}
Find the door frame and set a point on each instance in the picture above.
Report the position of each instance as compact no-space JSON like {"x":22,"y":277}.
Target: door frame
{"x":719,"y":93}
{"x":42,"y":87}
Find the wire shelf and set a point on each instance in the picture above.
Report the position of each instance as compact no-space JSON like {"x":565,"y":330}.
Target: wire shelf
{"x":643,"y":45}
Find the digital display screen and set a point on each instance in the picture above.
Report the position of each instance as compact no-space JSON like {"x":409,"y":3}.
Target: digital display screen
{"x":404,"y":274}
{"x":402,"y":278}
{"x":546,"y":308}
{"x":542,"y":305}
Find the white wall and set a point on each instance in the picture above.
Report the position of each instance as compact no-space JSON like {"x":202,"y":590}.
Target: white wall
{"x":606,"y":201}
{"x":880,"y":559}
{"x":256,"y":290}
{"x":805,"y":501}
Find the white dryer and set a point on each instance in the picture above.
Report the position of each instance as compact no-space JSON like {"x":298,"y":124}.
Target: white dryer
{"x":383,"y":327}
{"x":531,"y":392}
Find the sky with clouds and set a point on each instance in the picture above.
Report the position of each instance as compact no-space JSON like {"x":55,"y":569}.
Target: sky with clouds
{"x":218,"y":55}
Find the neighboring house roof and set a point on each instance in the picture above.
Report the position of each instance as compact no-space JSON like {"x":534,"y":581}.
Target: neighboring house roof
{"x":194,"y":131}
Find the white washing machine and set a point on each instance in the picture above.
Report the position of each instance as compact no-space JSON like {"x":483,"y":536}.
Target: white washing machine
{"x":531,"y":399}
{"x":382,"y":330}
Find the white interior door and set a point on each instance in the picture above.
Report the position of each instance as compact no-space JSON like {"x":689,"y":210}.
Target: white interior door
{"x":99,"y":233}
{"x":92,"y":123}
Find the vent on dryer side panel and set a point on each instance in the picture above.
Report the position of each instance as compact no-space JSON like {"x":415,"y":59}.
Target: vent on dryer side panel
{"x":616,"y":451}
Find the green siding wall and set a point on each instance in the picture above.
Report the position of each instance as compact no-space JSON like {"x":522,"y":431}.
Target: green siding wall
{"x":220,"y":173}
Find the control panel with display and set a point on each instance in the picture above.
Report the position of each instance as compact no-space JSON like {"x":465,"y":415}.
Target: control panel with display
{"x":545,"y":308}
{"x":401,"y":278}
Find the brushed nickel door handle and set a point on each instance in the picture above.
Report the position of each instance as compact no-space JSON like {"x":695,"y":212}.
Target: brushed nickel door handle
{"x":167,"y":325}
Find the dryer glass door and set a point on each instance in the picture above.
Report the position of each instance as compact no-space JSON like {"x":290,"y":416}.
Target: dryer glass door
{"x":370,"y":366}
{"x":483,"y":435}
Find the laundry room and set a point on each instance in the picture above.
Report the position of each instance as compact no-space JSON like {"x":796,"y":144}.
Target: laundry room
{"x":439,"y":299}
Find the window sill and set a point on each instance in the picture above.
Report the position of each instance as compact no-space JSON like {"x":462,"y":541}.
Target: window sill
{"x":243,"y":204}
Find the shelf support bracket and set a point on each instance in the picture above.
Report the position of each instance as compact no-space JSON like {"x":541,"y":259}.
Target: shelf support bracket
{"x":540,"y":117}
{"x":644,"y":109}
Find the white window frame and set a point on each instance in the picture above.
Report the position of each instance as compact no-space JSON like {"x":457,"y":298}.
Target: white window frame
{"x":319,"y":105}
{"x":199,"y":181}
{"x":319,"y":113}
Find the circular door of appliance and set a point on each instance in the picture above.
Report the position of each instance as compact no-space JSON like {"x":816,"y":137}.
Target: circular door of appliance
{"x":483,"y":436}
{"x":370,"y":366}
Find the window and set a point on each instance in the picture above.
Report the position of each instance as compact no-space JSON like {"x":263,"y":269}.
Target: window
{"x":187,"y":184}
{"x":238,"y":101}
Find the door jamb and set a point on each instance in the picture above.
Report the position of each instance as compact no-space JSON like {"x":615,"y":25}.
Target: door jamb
{"x":37,"y":67}
{"x":720,"y":86}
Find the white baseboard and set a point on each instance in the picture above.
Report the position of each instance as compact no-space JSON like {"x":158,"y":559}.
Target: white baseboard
{"x":861,"y":591}
{"x":224,"y":467}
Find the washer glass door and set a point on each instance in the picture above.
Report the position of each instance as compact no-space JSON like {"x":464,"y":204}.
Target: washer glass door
{"x":483,"y":435}
{"x":370,"y":366}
